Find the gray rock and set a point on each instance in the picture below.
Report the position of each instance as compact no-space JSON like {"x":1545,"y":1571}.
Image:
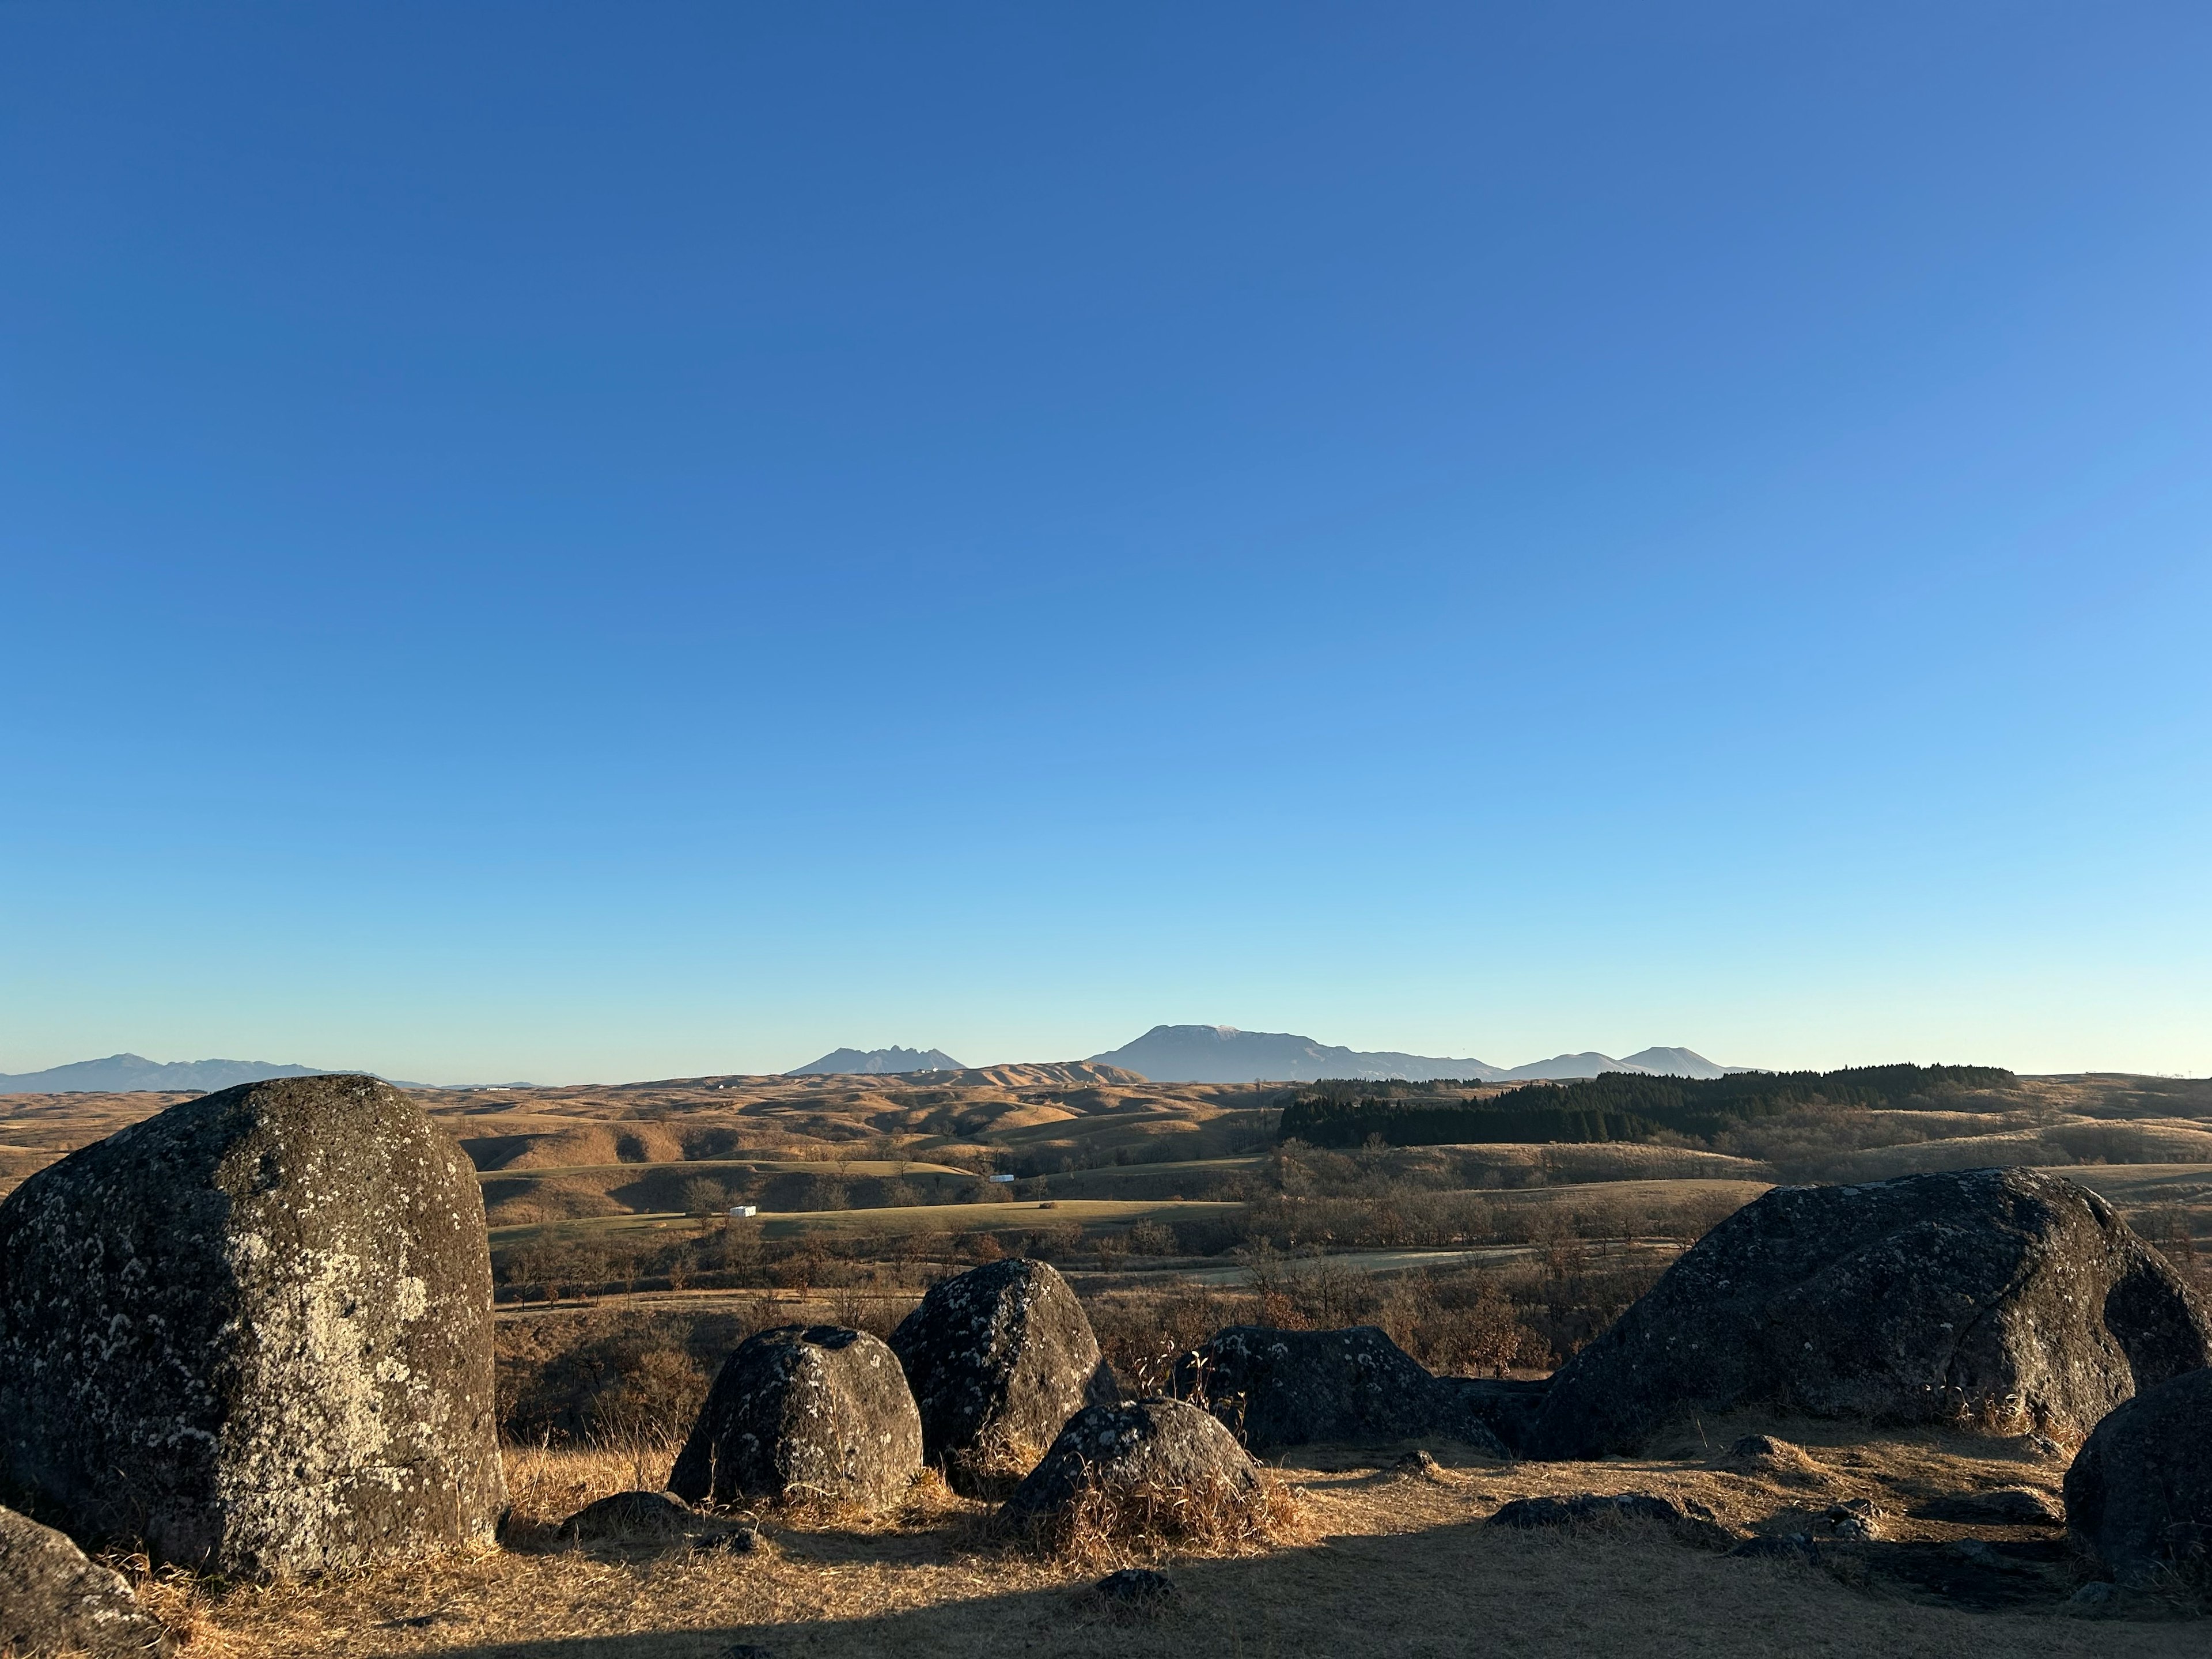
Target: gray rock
{"x":649,"y":1515}
{"x":1586,"y":1509}
{"x":1692,"y":1523}
{"x":1963,"y":1297}
{"x":801,"y":1413}
{"x":1773,"y":1459}
{"x":1857,"y":1520}
{"x":2008,"y":1506}
{"x":1281,"y":1388}
{"x":52,"y":1600}
{"x":2139,"y":1494}
{"x":1160,"y":1443}
{"x":999,"y":1359}
{"x":254,"y":1331}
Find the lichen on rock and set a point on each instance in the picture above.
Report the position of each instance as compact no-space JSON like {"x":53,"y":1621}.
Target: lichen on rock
{"x":253,"y":1332}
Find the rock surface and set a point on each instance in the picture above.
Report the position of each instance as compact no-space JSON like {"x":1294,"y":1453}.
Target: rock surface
{"x":1777,"y":1460}
{"x":2139,"y":1494}
{"x":1694,"y":1524}
{"x":1281,"y":1388}
{"x":254,"y":1331}
{"x":1973,"y":1296}
{"x":804,"y":1412}
{"x":629,"y":1515}
{"x":52,"y":1600}
{"x":2007,"y":1506}
{"x":999,"y":1359}
{"x":1161,"y":1443}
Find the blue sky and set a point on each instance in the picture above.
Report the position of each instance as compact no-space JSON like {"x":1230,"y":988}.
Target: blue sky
{"x":607,"y":541}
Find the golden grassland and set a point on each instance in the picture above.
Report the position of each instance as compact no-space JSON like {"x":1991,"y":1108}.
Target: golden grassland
{"x":1371,"y":1560}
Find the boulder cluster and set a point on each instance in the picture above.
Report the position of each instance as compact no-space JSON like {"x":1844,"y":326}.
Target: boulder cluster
{"x":250,"y":1335}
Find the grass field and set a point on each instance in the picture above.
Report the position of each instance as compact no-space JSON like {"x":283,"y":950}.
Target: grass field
{"x":1012,"y":1216}
{"x":1388,"y":1564}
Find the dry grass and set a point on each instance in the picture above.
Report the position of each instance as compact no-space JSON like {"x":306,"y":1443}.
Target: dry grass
{"x":1113,"y":1524}
{"x":1373,"y":1563}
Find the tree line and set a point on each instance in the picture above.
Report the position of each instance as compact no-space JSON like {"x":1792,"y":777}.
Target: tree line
{"x":1612,"y":1106}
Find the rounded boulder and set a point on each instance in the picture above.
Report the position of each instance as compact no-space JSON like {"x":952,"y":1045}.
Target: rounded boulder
{"x":999,"y":1359}
{"x":255,"y":1333}
{"x":2139,"y":1493}
{"x":1163,"y":1446}
{"x":1283,"y":1387}
{"x":805,"y":1413}
{"x":52,"y":1600}
{"x":1974,"y":1297}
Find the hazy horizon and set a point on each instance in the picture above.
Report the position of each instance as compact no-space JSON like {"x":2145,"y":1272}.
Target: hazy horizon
{"x":603,"y":543}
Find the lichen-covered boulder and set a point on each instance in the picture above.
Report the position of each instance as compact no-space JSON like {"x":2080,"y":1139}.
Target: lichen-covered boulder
{"x":1147,"y":1447}
{"x":1280,"y":1389}
{"x":999,"y":1359}
{"x":1974,"y":1296}
{"x":254,"y":1331}
{"x":2139,"y":1494}
{"x":54,"y":1601}
{"x":805,"y":1413}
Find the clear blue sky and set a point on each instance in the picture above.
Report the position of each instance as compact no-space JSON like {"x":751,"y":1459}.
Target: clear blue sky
{"x":573,"y":541}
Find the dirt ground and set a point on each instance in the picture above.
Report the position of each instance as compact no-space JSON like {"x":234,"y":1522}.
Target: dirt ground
{"x":1384,"y":1561}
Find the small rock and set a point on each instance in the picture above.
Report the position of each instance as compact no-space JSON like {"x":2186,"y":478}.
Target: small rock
{"x":1775,"y":1460}
{"x":1136,"y":1584}
{"x":744,"y":1540}
{"x":2044,"y":1447}
{"x":2010,"y":1506}
{"x":628,"y":1515}
{"x":2097,"y":1593}
{"x":1585,"y":1509}
{"x":746,"y":1650}
{"x":54,"y":1600}
{"x":1421,"y":1466}
{"x":1857,"y":1519}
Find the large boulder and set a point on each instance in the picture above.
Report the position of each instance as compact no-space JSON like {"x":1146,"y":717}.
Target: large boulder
{"x":254,"y":1331}
{"x":52,"y":1600}
{"x":999,"y":1359}
{"x":1978,"y":1296}
{"x":805,"y":1413}
{"x":1143,"y":1454}
{"x":2139,"y":1494}
{"x":1280,"y":1389}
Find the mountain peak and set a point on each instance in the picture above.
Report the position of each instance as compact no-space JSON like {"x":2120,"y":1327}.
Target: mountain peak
{"x":877,"y":1062}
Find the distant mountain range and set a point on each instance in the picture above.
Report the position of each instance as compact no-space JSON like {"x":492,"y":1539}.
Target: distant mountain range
{"x":879,"y":1062}
{"x":1166,"y":1053}
{"x":119,"y":1073}
{"x":1222,"y":1053}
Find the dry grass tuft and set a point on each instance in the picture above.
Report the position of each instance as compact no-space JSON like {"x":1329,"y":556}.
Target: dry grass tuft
{"x":1114,"y":1522}
{"x":180,"y":1600}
